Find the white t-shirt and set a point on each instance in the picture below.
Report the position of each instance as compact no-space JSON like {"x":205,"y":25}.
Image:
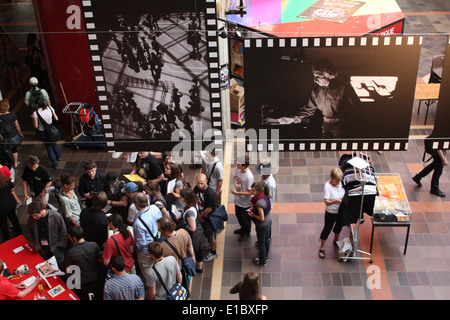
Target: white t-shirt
{"x":45,"y":114}
{"x":272,"y":185}
{"x":333,"y":193}
{"x":245,"y":180}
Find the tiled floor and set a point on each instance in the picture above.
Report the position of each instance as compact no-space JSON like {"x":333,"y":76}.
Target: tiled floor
{"x":294,"y":269}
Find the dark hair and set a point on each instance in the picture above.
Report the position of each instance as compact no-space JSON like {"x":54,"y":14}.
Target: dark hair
{"x":76,"y":232}
{"x":4,"y":181}
{"x":175,"y":171}
{"x":152,"y":188}
{"x":190,"y":198}
{"x":155,"y":249}
{"x":260,"y":186}
{"x":41,"y":103}
{"x":89,"y":164}
{"x":66,"y":178}
{"x":32,"y":160}
{"x":118,"y":263}
{"x":100,"y":200}
{"x":250,"y":286}
{"x":117,"y":222}
{"x":167,"y":224}
{"x":36,"y":206}
{"x":244,"y":161}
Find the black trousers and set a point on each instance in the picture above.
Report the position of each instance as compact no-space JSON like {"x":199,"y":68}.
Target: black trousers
{"x":437,"y":167}
{"x":331,"y":219}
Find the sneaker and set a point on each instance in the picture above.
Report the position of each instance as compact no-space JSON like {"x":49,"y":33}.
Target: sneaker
{"x":416,"y":179}
{"x":209,"y":257}
{"x":237,"y":231}
{"x":257,"y":262}
{"x":18,"y":205}
{"x":438,"y":193}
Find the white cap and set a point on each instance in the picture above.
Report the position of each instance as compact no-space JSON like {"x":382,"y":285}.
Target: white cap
{"x":33,"y":81}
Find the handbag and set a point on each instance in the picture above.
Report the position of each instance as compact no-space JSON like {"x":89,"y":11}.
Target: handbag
{"x":176,"y":292}
{"x":53,"y":129}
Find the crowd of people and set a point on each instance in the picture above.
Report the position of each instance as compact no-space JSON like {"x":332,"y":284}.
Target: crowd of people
{"x":119,"y":232}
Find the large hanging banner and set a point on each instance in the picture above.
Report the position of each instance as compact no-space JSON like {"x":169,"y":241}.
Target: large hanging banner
{"x":441,"y":130}
{"x":342,"y":93}
{"x":156,"y":68}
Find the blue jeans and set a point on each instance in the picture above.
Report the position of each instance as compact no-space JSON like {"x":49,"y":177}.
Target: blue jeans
{"x":52,"y":148}
{"x":11,"y":144}
{"x":263,"y":236}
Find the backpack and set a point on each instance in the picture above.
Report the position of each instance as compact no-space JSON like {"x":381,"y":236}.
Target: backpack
{"x":35,"y":95}
{"x":5,"y":128}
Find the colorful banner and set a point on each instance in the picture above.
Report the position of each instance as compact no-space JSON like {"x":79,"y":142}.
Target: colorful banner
{"x":293,"y":18}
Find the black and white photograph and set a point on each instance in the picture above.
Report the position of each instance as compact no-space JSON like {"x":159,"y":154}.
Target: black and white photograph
{"x":441,"y":129}
{"x":156,"y":69}
{"x":350,"y":89}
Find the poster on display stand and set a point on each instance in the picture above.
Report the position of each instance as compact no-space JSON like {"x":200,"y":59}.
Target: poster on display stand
{"x":156,"y":69}
{"x":332,"y":93}
{"x":441,"y":129}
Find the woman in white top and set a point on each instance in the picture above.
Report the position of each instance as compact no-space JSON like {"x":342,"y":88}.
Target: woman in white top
{"x":333,"y":194}
{"x":46,"y":113}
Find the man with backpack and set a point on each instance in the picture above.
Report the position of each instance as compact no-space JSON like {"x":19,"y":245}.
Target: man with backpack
{"x":438,"y":163}
{"x":34,"y":94}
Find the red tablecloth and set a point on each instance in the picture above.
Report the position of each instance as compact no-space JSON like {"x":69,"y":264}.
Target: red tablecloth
{"x":18,"y":251}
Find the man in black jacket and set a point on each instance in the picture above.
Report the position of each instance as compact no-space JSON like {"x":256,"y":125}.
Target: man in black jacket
{"x":91,"y":182}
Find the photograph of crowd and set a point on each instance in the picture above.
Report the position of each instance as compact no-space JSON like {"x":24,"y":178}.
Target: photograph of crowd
{"x":155,"y":64}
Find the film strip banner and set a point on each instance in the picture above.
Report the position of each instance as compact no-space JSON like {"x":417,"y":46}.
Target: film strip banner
{"x":384,"y":117}
{"x":394,"y":145}
{"x":441,"y":130}
{"x":331,"y":42}
{"x":209,"y":30}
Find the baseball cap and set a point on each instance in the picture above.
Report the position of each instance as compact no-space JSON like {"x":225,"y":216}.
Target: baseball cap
{"x":130,"y":187}
{"x":33,"y":81}
{"x":264,"y":168}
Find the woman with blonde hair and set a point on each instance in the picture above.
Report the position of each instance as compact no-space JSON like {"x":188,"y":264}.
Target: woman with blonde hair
{"x":333,"y":194}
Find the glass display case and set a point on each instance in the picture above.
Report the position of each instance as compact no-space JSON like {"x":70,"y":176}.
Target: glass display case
{"x":391,"y":205}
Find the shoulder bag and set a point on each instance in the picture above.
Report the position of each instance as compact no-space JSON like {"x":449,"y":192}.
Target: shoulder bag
{"x":176,"y":292}
{"x":157,"y":239}
{"x":187,"y":263}
{"x":53,"y":129}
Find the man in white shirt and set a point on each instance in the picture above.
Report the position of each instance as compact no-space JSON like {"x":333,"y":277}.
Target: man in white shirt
{"x":243,"y":180}
{"x":212,"y":167}
{"x":265,"y":170}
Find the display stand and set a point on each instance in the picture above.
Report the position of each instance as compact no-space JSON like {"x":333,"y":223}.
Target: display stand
{"x":362,"y":171}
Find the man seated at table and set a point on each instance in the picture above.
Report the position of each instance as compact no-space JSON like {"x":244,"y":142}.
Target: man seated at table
{"x":9,"y":291}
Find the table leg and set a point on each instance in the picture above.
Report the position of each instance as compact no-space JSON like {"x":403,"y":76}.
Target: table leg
{"x":406,"y":241}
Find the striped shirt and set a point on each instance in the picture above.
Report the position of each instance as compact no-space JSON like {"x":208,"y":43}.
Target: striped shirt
{"x":124,"y":287}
